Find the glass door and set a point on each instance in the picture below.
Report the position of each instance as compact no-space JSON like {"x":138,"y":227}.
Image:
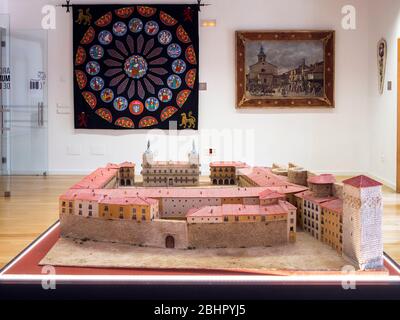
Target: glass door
{"x":28,"y":102}
{"x":5,"y":179}
{"x":23,"y":107}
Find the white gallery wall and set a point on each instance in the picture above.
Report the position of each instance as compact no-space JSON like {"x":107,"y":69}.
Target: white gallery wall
{"x":385,"y":22}
{"x":354,"y":137}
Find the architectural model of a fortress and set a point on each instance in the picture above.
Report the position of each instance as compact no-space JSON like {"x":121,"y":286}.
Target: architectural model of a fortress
{"x":242,"y":207}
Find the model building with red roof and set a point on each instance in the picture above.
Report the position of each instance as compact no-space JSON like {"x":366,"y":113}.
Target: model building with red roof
{"x":256,"y":207}
{"x":170,"y":173}
{"x":225,"y":172}
{"x":352,"y":226}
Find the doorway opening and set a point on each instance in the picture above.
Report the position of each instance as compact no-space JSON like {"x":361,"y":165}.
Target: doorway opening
{"x":170,"y":242}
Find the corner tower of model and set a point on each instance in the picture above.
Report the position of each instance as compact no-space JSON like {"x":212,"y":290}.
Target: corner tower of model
{"x":170,"y":173}
{"x":362,"y":222}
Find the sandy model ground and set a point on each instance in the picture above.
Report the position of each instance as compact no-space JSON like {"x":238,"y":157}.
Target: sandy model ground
{"x":307,"y":254}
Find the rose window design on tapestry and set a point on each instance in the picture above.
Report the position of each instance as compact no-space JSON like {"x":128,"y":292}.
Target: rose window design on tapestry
{"x":136,"y":67}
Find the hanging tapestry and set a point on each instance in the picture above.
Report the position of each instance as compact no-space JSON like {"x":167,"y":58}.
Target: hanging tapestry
{"x":135,"y":67}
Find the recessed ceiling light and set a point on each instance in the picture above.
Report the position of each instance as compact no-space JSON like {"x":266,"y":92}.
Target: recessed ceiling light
{"x":209,"y":23}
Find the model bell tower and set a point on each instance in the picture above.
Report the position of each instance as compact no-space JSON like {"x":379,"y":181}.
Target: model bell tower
{"x":362,"y":222}
{"x":147,"y":156}
{"x":194,"y":156}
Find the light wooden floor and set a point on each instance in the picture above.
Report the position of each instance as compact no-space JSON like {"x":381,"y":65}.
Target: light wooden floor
{"x":33,"y":208}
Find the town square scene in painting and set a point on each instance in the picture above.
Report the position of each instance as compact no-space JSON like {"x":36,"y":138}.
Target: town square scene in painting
{"x":284,"y":68}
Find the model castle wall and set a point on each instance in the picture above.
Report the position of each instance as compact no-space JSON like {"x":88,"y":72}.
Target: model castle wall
{"x":298,"y":176}
{"x":239,"y":235}
{"x":144,"y":233}
{"x":83,"y":212}
{"x":155,"y":233}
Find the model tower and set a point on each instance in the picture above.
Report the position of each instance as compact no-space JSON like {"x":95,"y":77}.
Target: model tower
{"x":147,"y":156}
{"x":194,"y":159}
{"x":362,"y":222}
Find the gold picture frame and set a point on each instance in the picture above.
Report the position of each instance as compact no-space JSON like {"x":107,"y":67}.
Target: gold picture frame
{"x":285,"y":69}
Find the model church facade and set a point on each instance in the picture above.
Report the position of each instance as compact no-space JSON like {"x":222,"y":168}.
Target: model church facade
{"x":170,"y":173}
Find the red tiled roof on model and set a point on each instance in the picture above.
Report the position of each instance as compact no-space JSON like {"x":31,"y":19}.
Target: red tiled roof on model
{"x":70,"y":196}
{"x":89,"y":197}
{"x":289,"y":189}
{"x":127,"y":164}
{"x":128,"y":201}
{"x":263,"y":177}
{"x":362,"y":182}
{"x":165,"y":192}
{"x":170,"y":192}
{"x":236,"y":164}
{"x":334,"y":206}
{"x":287,"y":205}
{"x":238,"y":210}
{"x":112,"y":166}
{"x":309,"y":196}
{"x":270,"y":194}
{"x":322,"y":179}
{"x":82,"y":194}
{"x":197,"y":192}
{"x":302,"y":194}
{"x":97,"y":179}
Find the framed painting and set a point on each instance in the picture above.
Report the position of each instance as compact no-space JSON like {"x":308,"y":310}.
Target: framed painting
{"x":285,"y":69}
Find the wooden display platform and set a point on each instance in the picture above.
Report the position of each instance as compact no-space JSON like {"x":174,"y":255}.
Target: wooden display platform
{"x":25,"y":268}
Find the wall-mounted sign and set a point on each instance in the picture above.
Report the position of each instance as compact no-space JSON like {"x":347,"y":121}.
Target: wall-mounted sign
{"x":5,"y":78}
